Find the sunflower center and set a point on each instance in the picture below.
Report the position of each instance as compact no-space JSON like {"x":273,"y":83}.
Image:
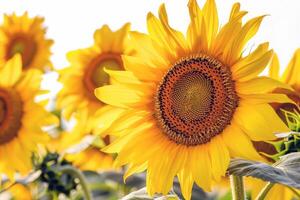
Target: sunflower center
{"x":25,"y":45}
{"x":10,"y":115}
{"x":195,"y":100}
{"x":95,"y":76}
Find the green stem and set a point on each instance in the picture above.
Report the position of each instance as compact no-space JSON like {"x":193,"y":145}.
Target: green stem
{"x":263,"y":193}
{"x":237,"y":187}
{"x":68,"y":169}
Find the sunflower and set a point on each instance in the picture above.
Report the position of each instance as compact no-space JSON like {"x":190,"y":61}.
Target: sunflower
{"x":82,"y":149}
{"x":290,"y":77}
{"x":277,"y":192}
{"x":19,"y":191}
{"x":191,"y":102}
{"x":25,"y":35}
{"x":92,"y":159}
{"x":280,"y":192}
{"x":87,"y":72}
{"x":21,"y":119}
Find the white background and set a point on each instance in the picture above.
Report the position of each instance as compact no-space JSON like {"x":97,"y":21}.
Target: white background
{"x":71,"y":23}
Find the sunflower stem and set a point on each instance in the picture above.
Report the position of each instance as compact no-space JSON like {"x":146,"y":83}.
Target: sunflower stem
{"x":68,"y":169}
{"x":263,"y":193}
{"x":237,"y":187}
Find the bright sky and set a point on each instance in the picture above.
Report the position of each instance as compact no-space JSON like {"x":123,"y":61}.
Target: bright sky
{"x":71,"y":23}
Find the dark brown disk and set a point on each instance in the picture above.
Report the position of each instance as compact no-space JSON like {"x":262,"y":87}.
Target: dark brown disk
{"x":196,"y":100}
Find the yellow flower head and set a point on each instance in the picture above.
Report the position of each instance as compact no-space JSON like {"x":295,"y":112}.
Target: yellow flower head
{"x":19,"y":191}
{"x":290,"y":76}
{"x":191,"y":102}
{"x":92,"y":159}
{"x":26,"y":36}
{"x":277,"y":192}
{"x":82,"y":149}
{"x":87,"y":71}
{"x":21,"y":119}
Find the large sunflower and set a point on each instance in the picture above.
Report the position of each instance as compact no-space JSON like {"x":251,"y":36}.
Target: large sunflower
{"x":191,"y":103}
{"x":290,"y":77}
{"x":86,"y":71}
{"x":21,"y":119}
{"x":25,"y":35}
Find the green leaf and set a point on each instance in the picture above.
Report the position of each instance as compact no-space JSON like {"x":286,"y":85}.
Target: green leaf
{"x":286,"y":171}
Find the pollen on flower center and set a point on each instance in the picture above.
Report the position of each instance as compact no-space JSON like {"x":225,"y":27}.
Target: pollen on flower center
{"x":95,"y":76}
{"x":195,"y":100}
{"x":10,"y":115}
{"x":25,"y":45}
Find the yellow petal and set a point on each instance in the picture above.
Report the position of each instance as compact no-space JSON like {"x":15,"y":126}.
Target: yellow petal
{"x":291,"y":74}
{"x":236,"y":13}
{"x":11,"y":71}
{"x":176,"y":38}
{"x":274,"y":67}
{"x":127,"y":120}
{"x":259,"y":85}
{"x":165,"y":165}
{"x":104,"y":117}
{"x":234,"y":51}
{"x":225,"y":37}
{"x":29,"y":85}
{"x":78,"y":58}
{"x":253,"y":64}
{"x":186,"y":183}
{"x":120,"y":37}
{"x":239,"y":144}
{"x":211,"y":20}
{"x":134,"y":168}
{"x":149,"y":50}
{"x":144,"y":135}
{"x":197,"y":33}
{"x":104,"y":38}
{"x":159,"y":34}
{"x":141,"y":70}
{"x":265,"y":98}
{"x":119,"y":143}
{"x":118,"y":77}
{"x":255,"y":121}
{"x":201,"y":168}
{"x":122,"y":96}
{"x":219,"y":156}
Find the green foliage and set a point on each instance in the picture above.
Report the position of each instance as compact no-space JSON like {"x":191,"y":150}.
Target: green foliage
{"x":285,"y":171}
{"x":56,"y":181}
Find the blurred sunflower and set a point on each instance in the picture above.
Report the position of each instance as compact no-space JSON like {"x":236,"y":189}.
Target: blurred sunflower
{"x":290,"y":77}
{"x":21,"y":119}
{"x":25,"y":35}
{"x":86,"y":71}
{"x":277,"y":192}
{"x":92,"y":159}
{"x":191,"y":103}
{"x":78,"y":148}
{"x":20,"y":192}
